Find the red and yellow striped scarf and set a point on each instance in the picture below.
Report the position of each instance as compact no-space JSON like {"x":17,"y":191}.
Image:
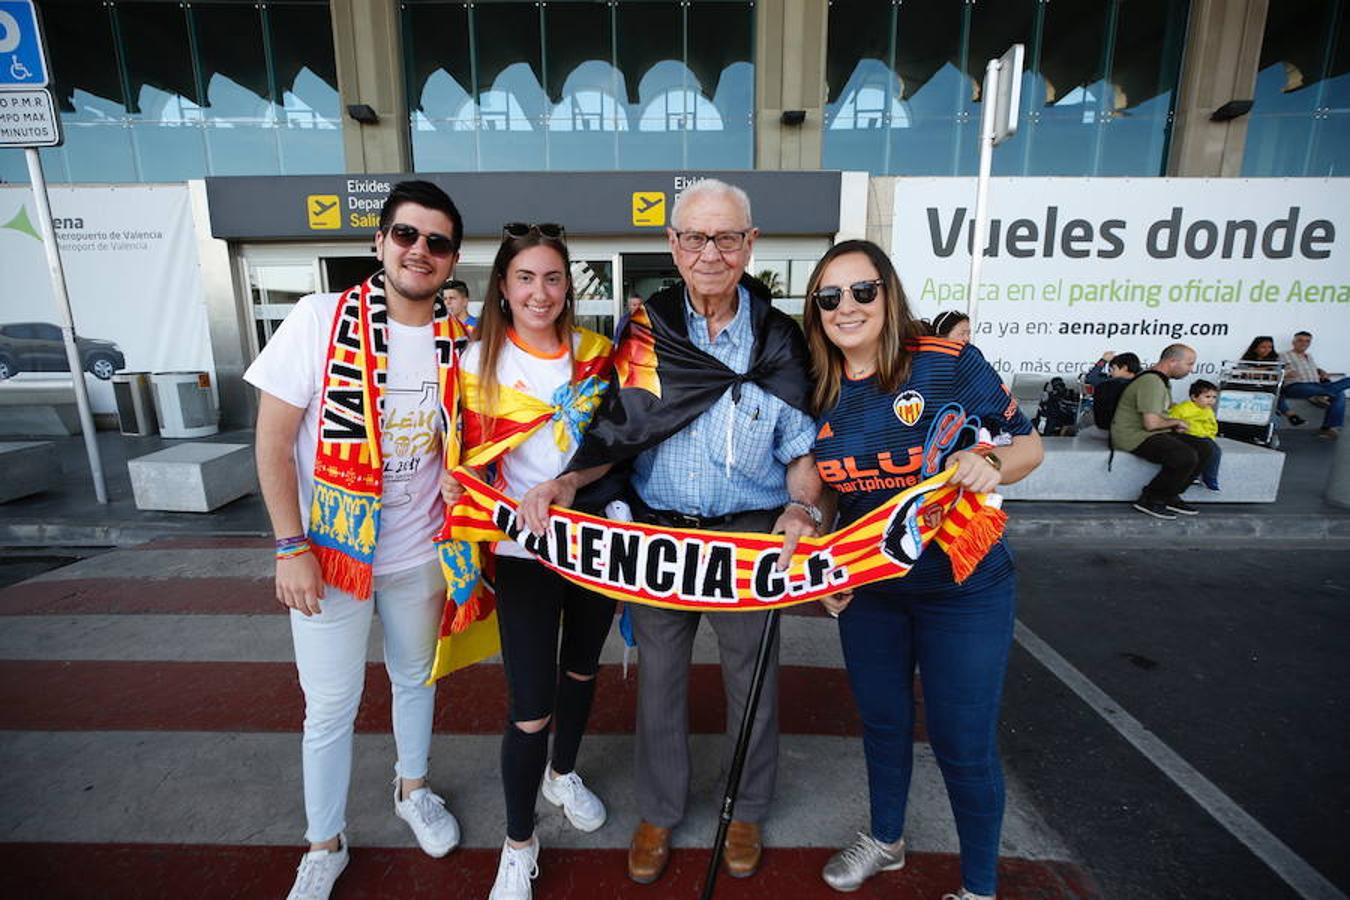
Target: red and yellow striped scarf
{"x":344,"y":519}
{"x":487,"y":436}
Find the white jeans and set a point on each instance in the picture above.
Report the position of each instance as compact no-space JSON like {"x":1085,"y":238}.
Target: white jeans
{"x":330,"y":652}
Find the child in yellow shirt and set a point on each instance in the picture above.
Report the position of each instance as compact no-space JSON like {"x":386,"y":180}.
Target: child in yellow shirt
{"x":1198,"y":414}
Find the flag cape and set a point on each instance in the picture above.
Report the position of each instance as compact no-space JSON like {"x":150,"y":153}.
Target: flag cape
{"x":468,"y":631}
{"x":693,"y":569}
{"x":663,"y":381}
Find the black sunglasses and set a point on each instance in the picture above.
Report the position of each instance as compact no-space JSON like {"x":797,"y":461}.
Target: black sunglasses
{"x":550,"y":230}
{"x":829,"y":298}
{"x":406,"y":236}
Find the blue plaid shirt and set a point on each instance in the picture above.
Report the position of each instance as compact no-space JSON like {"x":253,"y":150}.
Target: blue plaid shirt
{"x":734,"y":456}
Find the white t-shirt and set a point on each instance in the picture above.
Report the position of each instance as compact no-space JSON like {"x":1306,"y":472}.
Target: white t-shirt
{"x":538,"y":458}
{"x":291,"y":368}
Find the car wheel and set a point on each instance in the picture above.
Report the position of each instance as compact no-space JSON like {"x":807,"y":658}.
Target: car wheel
{"x":101,"y":367}
{"x":7,"y":368}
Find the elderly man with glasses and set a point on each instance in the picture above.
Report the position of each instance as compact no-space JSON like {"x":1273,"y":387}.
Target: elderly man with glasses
{"x":719,"y":438}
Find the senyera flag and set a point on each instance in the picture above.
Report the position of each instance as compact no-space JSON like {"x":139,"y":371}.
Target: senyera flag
{"x":717,"y":571}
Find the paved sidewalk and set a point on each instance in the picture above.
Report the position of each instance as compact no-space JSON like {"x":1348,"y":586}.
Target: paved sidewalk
{"x":149,"y":747}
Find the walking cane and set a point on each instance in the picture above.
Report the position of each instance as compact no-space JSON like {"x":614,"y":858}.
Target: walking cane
{"x":742,"y":745}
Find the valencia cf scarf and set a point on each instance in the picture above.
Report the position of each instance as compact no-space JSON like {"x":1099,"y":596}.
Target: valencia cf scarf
{"x":344,"y":519}
{"x":718,"y":571}
{"x":663,"y":381}
{"x":488,"y":434}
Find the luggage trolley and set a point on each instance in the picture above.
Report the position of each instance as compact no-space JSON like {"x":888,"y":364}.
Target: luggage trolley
{"x":1249,"y":396}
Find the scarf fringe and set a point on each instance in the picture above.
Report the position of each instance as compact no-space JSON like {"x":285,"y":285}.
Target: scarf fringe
{"x":344,"y":573}
{"x":465,"y":614}
{"x":970,"y":546}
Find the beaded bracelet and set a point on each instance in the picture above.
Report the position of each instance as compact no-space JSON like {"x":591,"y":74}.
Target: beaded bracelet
{"x":288,"y":548}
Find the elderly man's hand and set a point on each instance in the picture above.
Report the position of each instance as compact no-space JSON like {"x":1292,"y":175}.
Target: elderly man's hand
{"x":534,"y":505}
{"x":793,"y":524}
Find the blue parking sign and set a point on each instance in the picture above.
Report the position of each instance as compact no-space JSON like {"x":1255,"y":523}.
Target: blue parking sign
{"x":22,"y":60}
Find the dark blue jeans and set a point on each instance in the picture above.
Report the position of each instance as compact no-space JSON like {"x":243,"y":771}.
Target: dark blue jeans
{"x":1335,"y":414}
{"x":960,"y":642}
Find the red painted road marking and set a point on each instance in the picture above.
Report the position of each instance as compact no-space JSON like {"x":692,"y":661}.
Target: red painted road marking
{"x":151,"y":871}
{"x":169,"y":596}
{"x":218,"y":696}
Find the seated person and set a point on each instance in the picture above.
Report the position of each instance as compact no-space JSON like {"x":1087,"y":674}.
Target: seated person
{"x":952,"y":325}
{"x":1304,"y":380}
{"x":1262,"y":349}
{"x":1108,"y":379}
{"x":1112,"y":365}
{"x":1141,"y":426}
{"x":1198,"y":414}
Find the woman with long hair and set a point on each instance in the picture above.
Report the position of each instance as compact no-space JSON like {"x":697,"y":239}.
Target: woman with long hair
{"x":880,"y":388}
{"x":1262,"y":350}
{"x":530,"y":381}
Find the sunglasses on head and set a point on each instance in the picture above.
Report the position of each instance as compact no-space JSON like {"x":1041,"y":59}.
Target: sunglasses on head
{"x":523,"y":229}
{"x":406,"y":236}
{"x":829,"y":298}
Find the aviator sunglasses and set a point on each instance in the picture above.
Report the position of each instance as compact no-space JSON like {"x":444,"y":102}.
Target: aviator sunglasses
{"x":829,"y":298}
{"x":550,"y":230}
{"x":406,"y":236}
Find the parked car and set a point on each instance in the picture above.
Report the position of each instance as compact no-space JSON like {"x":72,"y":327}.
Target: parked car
{"x":38,"y":347}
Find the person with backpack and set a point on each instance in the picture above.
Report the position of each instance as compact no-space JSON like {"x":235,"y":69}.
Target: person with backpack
{"x":1141,"y":426}
{"x":1108,"y":378}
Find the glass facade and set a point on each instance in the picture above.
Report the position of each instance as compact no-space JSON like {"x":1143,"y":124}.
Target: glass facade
{"x":904,"y":79}
{"x":166,"y":91}
{"x":580,"y":84}
{"x":1300,"y":118}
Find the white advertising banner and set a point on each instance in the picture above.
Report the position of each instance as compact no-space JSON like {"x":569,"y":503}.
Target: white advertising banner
{"x":1078,"y":266}
{"x":130,"y":259}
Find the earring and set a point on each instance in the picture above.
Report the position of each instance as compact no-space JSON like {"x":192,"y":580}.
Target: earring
{"x":506,"y":308}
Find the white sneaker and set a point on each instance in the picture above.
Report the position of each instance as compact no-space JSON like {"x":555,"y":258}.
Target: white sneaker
{"x":515,"y":871}
{"x":967,"y":895}
{"x":583,"y":809}
{"x":436,"y":830}
{"x":318,"y":871}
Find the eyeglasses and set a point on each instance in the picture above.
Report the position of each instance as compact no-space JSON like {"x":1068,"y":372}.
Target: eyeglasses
{"x":724,"y":241}
{"x":523,"y":229}
{"x":406,"y":236}
{"x":829,"y":298}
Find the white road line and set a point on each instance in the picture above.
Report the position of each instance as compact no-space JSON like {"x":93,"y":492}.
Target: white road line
{"x":1287,"y":864}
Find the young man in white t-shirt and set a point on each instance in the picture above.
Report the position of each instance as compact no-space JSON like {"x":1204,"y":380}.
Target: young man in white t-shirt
{"x":418,"y":243}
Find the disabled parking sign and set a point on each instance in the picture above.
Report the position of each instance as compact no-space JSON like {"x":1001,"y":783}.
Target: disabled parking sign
{"x":23,"y":61}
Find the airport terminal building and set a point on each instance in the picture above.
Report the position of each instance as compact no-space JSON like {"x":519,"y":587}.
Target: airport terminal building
{"x":224,"y":158}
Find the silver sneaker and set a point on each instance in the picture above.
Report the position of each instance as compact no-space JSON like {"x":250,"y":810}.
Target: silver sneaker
{"x":859,"y":861}
{"x":967,"y":895}
{"x":318,"y":870}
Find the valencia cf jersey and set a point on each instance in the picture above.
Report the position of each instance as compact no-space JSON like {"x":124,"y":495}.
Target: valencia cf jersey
{"x":872,"y":445}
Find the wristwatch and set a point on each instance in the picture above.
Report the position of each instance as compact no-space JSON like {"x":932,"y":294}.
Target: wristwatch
{"x":817,"y":517}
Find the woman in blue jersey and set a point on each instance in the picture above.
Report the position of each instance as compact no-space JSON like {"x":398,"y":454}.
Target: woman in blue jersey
{"x":880,"y":390}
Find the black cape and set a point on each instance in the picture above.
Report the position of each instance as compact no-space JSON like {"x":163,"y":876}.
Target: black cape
{"x":632,"y":419}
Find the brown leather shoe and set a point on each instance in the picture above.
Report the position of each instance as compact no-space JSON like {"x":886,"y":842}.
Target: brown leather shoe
{"x":648,"y":853}
{"x":743,"y":849}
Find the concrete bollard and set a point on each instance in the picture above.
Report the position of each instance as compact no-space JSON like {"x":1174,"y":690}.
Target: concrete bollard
{"x":1338,"y":482}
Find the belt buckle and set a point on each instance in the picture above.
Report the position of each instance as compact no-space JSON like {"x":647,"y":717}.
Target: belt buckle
{"x":688,"y":521}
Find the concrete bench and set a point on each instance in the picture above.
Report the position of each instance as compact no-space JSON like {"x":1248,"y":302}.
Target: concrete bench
{"x":45,"y":408}
{"x":27,"y":467}
{"x":1075,"y":469}
{"x":193,"y":477}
